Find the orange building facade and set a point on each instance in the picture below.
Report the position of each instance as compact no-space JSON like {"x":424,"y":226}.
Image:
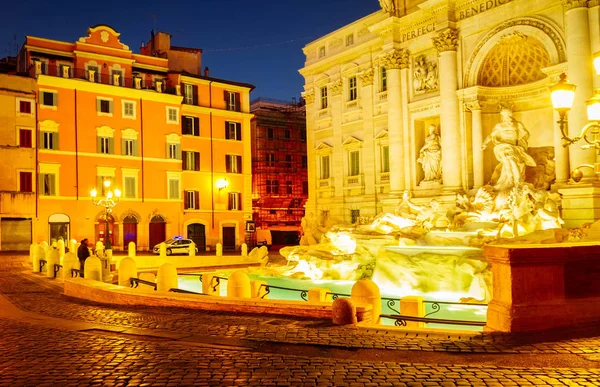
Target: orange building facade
{"x":159,"y":131}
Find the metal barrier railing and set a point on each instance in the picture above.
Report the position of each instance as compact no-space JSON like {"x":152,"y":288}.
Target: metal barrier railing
{"x":303,"y":293}
{"x":57,"y":268}
{"x":218,"y":282}
{"x":135,"y":282}
{"x":176,"y":290}
{"x":43,"y":263}
{"x":191,"y":275}
{"x":390,"y":302}
{"x":436,"y":305}
{"x":401,"y":320}
{"x":76,"y":272}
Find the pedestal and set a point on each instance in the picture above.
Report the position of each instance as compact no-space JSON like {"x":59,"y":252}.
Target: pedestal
{"x":580,"y":204}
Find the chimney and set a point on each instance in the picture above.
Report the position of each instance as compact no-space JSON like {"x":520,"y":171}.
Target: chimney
{"x":206,"y":72}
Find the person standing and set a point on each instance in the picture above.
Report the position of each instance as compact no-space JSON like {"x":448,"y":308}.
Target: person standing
{"x":83,"y":252}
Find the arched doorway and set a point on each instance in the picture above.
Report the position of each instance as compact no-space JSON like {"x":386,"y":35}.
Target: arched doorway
{"x":158,"y":231}
{"x":197,"y":233}
{"x":130,"y":224}
{"x":59,"y":225}
{"x":101,"y":229}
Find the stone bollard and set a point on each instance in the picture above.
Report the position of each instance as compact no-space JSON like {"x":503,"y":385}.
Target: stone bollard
{"x":127,"y":270}
{"x":166,"y":278}
{"x":343,"y":312}
{"x":47,"y":258}
{"x":162,"y":249}
{"x":317,"y":295}
{"x":258,"y":290}
{"x":99,"y":246}
{"x":73,"y":246}
{"x":70,"y":261}
{"x":192,"y":251}
{"x":219,"y":250}
{"x":106,"y":265}
{"x":93,"y":268}
{"x":32,"y":249}
{"x":44,"y":245}
{"x":146,"y":277}
{"x":244,"y":250}
{"x":131,"y":250}
{"x":210,"y":285}
{"x":238,"y":285}
{"x":52,"y":258}
{"x":367,"y":292}
{"x":60,"y":245}
{"x":38,"y":255}
{"x":413,"y":306}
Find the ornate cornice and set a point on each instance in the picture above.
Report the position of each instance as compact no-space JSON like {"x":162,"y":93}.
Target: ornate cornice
{"x":395,"y":59}
{"x":309,"y":96}
{"x":336,"y":87}
{"x":572,"y":4}
{"x":593,"y":3}
{"x":366,"y":78}
{"x":446,"y":40}
{"x":474,"y":105}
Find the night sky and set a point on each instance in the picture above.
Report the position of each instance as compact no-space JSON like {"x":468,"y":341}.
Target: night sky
{"x":258,"y":42}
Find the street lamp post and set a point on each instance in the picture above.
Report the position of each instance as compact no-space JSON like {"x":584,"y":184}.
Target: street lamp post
{"x":110,"y":199}
{"x":563,"y":94}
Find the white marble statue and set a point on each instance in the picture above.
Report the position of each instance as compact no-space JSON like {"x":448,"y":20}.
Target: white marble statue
{"x":420,"y":74}
{"x":510,"y":148}
{"x":430,"y":156}
{"x":388,"y":6}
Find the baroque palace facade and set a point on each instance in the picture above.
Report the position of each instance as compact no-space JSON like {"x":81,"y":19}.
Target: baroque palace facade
{"x":378,"y":89}
{"x":152,"y":125}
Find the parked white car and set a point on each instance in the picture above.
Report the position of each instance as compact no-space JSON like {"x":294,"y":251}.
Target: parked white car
{"x":175,"y":246}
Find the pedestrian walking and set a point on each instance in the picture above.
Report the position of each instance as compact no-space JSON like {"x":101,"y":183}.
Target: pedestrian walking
{"x":83,"y":252}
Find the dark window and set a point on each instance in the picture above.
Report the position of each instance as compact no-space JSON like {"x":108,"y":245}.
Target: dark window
{"x":233,"y":130}
{"x":25,"y":184}
{"x":49,"y":140}
{"x":191,"y":161}
{"x":354,"y":215}
{"x":25,"y":138}
{"x":191,"y":200}
{"x":273,"y":186}
{"x":289,"y":187}
{"x":288,"y":133}
{"x":190,"y":126}
{"x":270,"y":159}
{"x":270,"y":133}
{"x":47,"y":184}
{"x":104,"y":106}
{"x":288,"y":159}
{"x":232,"y":101}
{"x":25,"y":107}
{"x":305,"y":188}
{"x":303,"y":135}
{"x":233,"y":163}
{"x":304,"y":162}
{"x":235,"y":201}
{"x":48,"y":98}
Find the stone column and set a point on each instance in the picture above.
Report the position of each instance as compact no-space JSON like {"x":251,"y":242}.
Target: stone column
{"x":476,"y":139}
{"x":561,"y":154}
{"x":309,"y":97}
{"x":580,"y":73}
{"x":446,"y":43}
{"x":393,"y":62}
{"x":368,"y":155}
{"x":594,"y":21}
{"x":337,"y":158}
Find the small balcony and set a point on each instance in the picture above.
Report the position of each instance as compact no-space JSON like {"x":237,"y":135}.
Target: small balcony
{"x":326,"y":183}
{"x":354,"y":181}
{"x":17,"y":203}
{"x":384,"y":178}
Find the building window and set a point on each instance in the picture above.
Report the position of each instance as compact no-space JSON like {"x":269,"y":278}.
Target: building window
{"x":287,"y":134}
{"x":270,"y":133}
{"x":25,"y":138}
{"x":173,"y":151}
{"x":324,"y":167}
{"x":190,"y":126}
{"x":233,"y":131}
{"x":49,"y":140}
{"x":191,"y":200}
{"x":25,"y":183}
{"x":114,"y":80}
{"x":104,"y":106}
{"x":304,"y":162}
{"x":232,"y":101}
{"x":173,"y":188}
{"x":129,"y":188}
{"x":129,"y":147}
{"x":303,"y":135}
{"x":273,"y":186}
{"x":47,"y":184}
{"x":324,"y":97}
{"x":188,"y":94}
{"x":96,"y":72}
{"x":25,"y":107}
{"x":233,"y":163}
{"x":105,"y":145}
{"x":354,"y":215}
{"x":321,"y":51}
{"x":128,"y":109}
{"x":305,"y":188}
{"x":172,"y":115}
{"x":383,"y":79}
{"x":289,"y":186}
{"x":354,"y":166}
{"x":235,"y":201}
{"x":349,"y":40}
{"x":352,"y":90}
{"x":270,"y":159}
{"x":49,"y":98}
{"x":191,"y":161}
{"x":385,"y":158}
{"x":288,"y":161}
{"x":102,"y":179}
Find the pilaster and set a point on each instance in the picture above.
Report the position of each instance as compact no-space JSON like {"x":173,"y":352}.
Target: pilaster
{"x":475,"y":108}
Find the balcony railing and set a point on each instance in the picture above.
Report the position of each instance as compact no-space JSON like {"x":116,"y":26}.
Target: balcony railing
{"x":326,"y":183}
{"x":384,"y":177}
{"x":356,"y":180}
{"x":383,"y":96}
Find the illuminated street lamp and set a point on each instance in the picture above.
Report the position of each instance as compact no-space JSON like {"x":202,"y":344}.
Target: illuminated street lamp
{"x":110,"y":200}
{"x":221,"y":184}
{"x":563,"y":95}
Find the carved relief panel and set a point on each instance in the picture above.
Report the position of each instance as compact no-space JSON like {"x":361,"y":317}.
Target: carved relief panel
{"x":425,"y":74}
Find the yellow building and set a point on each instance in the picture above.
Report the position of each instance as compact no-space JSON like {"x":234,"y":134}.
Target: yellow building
{"x":17,"y":161}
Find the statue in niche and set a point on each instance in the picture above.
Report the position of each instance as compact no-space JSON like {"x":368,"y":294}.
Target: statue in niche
{"x":388,"y":6}
{"x":510,"y":148}
{"x":430,"y":156}
{"x":425,"y":75}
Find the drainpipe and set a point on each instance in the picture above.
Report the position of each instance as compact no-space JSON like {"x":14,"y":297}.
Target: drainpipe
{"x":76,"y":150}
{"x":142,"y":146}
{"x":212,"y":172}
{"x":37,"y":150}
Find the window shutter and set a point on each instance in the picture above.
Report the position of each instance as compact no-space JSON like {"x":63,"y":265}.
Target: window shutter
{"x":111,"y":145}
{"x":227,"y":163}
{"x":135,"y":147}
{"x":230,"y":201}
{"x":182,"y":86}
{"x":195,"y":88}
{"x":123,"y":147}
{"x":53,"y":185}
{"x":227,"y":130}
{"x":186,"y":203}
{"x":239,"y":164}
{"x":184,"y":157}
{"x":238,"y":195}
{"x":178,"y":152}
{"x":196,"y":131}
{"x":55,"y":141}
{"x":238,"y":132}
{"x":197,"y":200}
{"x":110,"y":106}
{"x":196,"y":161}
{"x":98,"y":105}
{"x":226,"y":98}
{"x":55,"y":99}
{"x":99,"y":142}
{"x":167,"y":152}
{"x":238,"y":107}
{"x":100,"y":185}
{"x":41,"y":184}
{"x":183,"y":120}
